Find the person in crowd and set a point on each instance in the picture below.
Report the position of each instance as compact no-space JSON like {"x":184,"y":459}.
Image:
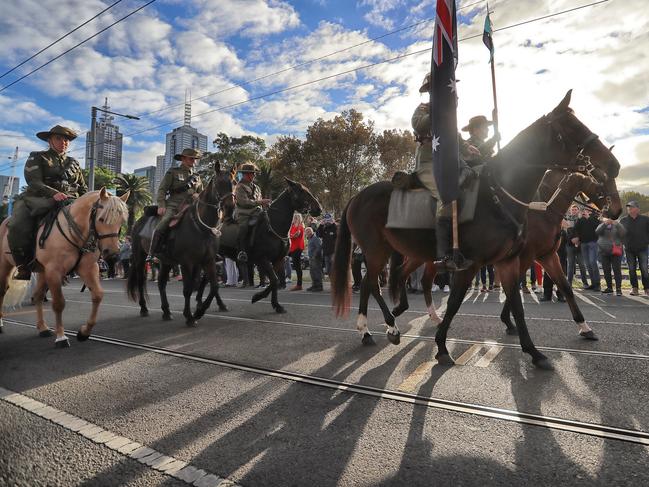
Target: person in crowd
{"x":231,"y":273}
{"x":125,"y":256}
{"x":635,"y":246}
{"x":610,"y":235}
{"x":315,"y":259}
{"x":180,"y":185}
{"x":586,"y":239}
{"x":357,"y":262}
{"x":573,"y":252}
{"x":327,"y":231}
{"x":52,"y":177}
{"x":481,"y":276}
{"x":310,"y":221}
{"x":296,"y":236}
{"x":524,"y":287}
{"x":548,"y":283}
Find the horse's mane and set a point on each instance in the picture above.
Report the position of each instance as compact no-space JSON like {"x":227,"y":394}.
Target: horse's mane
{"x":113,"y":209}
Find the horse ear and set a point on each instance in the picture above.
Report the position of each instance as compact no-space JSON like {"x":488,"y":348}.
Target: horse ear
{"x":610,"y":149}
{"x":125,"y":196}
{"x":565,"y":103}
{"x":103,"y":194}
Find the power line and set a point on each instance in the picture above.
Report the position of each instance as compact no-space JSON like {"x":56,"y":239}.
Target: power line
{"x":306,"y":83}
{"x":306,"y":63}
{"x":59,"y":39}
{"x":77,"y":45}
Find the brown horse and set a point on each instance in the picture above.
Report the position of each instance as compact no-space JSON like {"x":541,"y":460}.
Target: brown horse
{"x":496,"y":234}
{"x":543,"y":228}
{"x":84,"y":230}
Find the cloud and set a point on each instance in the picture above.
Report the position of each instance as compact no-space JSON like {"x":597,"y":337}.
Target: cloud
{"x":379,"y":10}
{"x":200,"y":52}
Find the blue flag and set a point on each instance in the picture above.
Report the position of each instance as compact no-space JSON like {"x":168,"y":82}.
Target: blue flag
{"x":443,"y":102}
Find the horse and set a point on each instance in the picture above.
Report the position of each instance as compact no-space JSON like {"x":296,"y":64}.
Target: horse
{"x":194,"y":247}
{"x":82,"y":232}
{"x":270,"y":244}
{"x":543,"y":228}
{"x":496,"y":234}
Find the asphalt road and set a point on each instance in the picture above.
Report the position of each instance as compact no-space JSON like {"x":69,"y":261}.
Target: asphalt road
{"x":239,"y":396}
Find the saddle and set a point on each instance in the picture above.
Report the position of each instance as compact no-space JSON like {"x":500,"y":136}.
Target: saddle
{"x":179,"y":215}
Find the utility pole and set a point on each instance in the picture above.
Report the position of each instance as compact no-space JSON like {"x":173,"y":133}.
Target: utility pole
{"x":92,"y":153}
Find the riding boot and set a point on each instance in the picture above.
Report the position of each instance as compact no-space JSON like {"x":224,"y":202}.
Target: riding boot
{"x":242,"y":241}
{"x":450,"y":260}
{"x":24,"y":267}
{"x":156,"y":244}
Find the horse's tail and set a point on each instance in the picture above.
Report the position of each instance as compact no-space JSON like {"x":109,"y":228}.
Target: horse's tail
{"x":137,"y":271}
{"x":340,"y":292}
{"x":396,"y":262}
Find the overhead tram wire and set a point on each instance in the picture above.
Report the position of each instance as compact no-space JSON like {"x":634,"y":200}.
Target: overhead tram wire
{"x":342,"y":73}
{"x":77,"y":45}
{"x":59,"y":39}
{"x":306,"y":63}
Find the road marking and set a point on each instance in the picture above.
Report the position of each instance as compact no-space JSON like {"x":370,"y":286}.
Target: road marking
{"x":592,"y":303}
{"x":488,"y":357}
{"x":413,"y":380}
{"x":468,"y":355}
{"x":143,"y":454}
{"x":16,"y":313}
{"x":551,"y":422}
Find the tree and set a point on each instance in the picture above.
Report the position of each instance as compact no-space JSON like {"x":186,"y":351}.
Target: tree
{"x":396,"y":152}
{"x":139,"y":197}
{"x":233,"y":151}
{"x":267,"y":181}
{"x":104,"y":178}
{"x":641,"y":199}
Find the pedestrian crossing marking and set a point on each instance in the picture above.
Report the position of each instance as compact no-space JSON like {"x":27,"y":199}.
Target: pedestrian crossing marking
{"x":414,"y":379}
{"x":468,"y":355}
{"x":488,"y":357}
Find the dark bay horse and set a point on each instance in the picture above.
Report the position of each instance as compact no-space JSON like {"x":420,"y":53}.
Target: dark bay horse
{"x":194,"y":248}
{"x":270,"y":244}
{"x":496,"y":234}
{"x":558,"y":188}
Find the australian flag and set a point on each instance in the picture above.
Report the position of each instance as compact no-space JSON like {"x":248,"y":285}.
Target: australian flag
{"x":443,"y":102}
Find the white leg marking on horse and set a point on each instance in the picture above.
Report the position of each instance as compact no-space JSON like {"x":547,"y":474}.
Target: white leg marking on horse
{"x":583,"y":327}
{"x":434,"y":317}
{"x":60,"y":339}
{"x":361,"y":324}
{"x":393,"y":330}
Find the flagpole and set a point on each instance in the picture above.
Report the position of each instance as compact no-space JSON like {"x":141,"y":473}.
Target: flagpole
{"x":494,"y":113}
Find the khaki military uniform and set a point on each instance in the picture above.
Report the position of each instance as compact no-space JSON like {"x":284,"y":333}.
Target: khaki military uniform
{"x":176,"y":188}
{"x":46,"y":173}
{"x":424,"y":154}
{"x":248,"y":196}
{"x":486,"y":148}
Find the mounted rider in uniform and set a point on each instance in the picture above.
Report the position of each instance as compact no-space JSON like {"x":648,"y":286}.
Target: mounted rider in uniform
{"x":51,"y":177}
{"x":478,"y":129}
{"x":249,"y":203}
{"x":180,"y":184}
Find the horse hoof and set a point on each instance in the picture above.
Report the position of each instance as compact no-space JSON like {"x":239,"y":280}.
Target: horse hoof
{"x":192,"y":323}
{"x":167,"y":317}
{"x":394,"y":338}
{"x":512,"y":331}
{"x":280,"y":310}
{"x":588,"y":335}
{"x":255,"y":298}
{"x":144,"y":313}
{"x":445,"y":359}
{"x":45,"y":333}
{"x":223,"y":308}
{"x":368,"y":340}
{"x":65,"y":343}
{"x":543,"y":364}
{"x":81,"y":337}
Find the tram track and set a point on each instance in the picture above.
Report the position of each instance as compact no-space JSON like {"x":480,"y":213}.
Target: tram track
{"x":548,"y":422}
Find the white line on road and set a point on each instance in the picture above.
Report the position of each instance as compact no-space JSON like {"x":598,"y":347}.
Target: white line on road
{"x":125,"y":446}
{"x":488,"y":357}
{"x":418,"y":375}
{"x":469,"y":354}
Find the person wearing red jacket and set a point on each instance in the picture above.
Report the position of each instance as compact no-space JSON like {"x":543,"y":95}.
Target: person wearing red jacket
{"x":296,"y":236}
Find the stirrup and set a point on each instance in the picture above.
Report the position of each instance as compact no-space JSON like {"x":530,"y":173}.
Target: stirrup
{"x":242,"y":256}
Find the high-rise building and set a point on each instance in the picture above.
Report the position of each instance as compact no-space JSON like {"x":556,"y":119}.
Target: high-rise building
{"x":185,"y":137}
{"x":148,"y":172}
{"x":9,"y":185}
{"x":108,"y":143}
{"x":159,"y":171}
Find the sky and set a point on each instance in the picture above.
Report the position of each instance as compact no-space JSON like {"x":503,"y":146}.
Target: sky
{"x":219,"y":48}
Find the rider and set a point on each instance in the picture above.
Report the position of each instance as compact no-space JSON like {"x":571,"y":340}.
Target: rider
{"x":179,"y":185}
{"x":424,"y":170}
{"x":478,"y":129}
{"x":249,"y":202}
{"x":51,"y":177}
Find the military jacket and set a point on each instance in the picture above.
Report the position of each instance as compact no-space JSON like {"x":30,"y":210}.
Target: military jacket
{"x":48,"y":172}
{"x":177,"y":185}
{"x":247,"y":196}
{"x":421,"y":127}
{"x":485,"y":147}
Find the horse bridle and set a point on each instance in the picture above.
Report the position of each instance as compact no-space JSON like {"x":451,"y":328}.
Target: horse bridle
{"x":220,"y":199}
{"x":91,"y":242}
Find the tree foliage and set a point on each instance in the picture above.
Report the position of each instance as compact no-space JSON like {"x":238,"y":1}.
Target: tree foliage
{"x":641,"y":199}
{"x":396,"y":152}
{"x":104,"y":178}
{"x":140,"y":195}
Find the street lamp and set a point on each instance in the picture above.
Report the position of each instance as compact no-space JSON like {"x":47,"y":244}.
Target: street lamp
{"x":93,"y":142}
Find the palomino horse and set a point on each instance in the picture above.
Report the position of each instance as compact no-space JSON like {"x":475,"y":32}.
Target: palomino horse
{"x":84,"y":230}
{"x":558,"y":188}
{"x":270,"y":244}
{"x":194,"y":248}
{"x":496,"y":234}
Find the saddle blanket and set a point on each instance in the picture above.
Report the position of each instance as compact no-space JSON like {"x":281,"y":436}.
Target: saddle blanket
{"x":411,"y":209}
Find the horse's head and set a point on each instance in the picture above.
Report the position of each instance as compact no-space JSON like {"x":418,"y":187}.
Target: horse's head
{"x":110,"y":212}
{"x":580,"y":149}
{"x":302,"y":199}
{"x":218,"y":191}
